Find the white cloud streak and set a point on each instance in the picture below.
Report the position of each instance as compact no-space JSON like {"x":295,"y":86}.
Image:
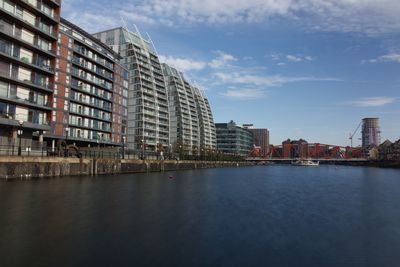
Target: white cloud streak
{"x":265,"y":81}
{"x":244,"y":94}
{"x":392,"y":57}
{"x":378,"y":101}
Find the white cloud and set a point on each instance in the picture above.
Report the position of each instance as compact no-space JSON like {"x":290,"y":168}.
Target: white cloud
{"x":265,"y":81}
{"x":378,"y":101}
{"x":221,"y":60}
{"x":183,"y":64}
{"x":290,"y":58}
{"x":293,"y":58}
{"x":244,"y":94}
{"x":392,"y":57}
{"x":367,"y":16}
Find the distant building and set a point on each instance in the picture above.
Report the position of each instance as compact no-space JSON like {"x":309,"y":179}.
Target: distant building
{"x":233,"y":139}
{"x":389,"y":151}
{"x":261,"y":139}
{"x":370,"y":132}
{"x":295,"y":148}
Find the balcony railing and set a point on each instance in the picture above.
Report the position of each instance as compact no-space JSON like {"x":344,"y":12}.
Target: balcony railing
{"x":31,"y":81}
{"x":39,"y":8}
{"x":25,"y":60}
{"x":7,"y":29}
{"x":35,"y":25}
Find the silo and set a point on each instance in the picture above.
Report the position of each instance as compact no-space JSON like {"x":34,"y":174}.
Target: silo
{"x":371,"y":133}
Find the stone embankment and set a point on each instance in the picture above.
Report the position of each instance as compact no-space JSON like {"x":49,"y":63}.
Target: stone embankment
{"x":37,"y":167}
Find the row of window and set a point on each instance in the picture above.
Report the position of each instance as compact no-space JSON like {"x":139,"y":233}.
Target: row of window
{"x":91,"y":89}
{"x":93,"y":112}
{"x":93,"y":67}
{"x":22,"y":94}
{"x":89,"y":123}
{"x":23,"y":74}
{"x":88,"y":134}
{"x":24,"y":54}
{"x":26,"y":16}
{"x":92,"y":78}
{"x":91,"y":100}
{"x":15,"y":112}
{"x":42,"y":7}
{"x":25,"y":35}
{"x":90,"y":54}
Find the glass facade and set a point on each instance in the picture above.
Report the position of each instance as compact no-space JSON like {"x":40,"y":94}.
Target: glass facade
{"x":233,"y":139}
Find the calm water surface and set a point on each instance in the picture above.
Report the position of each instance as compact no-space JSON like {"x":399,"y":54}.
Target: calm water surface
{"x":256,"y":216}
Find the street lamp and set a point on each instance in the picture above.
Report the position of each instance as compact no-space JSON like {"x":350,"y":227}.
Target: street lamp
{"x":19,"y":133}
{"x":66,"y":138}
{"x":143,"y":140}
{"x":66,"y":134}
{"x":123,"y":147}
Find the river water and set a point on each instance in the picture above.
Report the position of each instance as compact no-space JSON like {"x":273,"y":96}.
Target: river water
{"x":252,"y":216}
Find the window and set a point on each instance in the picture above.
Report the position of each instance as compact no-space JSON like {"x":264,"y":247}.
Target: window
{"x":24,"y":74}
{"x":27,"y":36}
{"x":26,"y":55}
{"x":28,"y":17}
{"x":23,"y":93}
{"x":8,"y":6}
{"x":3,"y":89}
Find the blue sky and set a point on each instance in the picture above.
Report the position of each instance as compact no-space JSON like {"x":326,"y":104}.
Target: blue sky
{"x":307,"y":69}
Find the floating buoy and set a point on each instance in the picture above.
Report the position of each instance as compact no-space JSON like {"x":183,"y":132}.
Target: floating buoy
{"x":171,"y":177}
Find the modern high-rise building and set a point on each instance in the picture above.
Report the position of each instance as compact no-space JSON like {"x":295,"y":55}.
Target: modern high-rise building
{"x":261,"y":139}
{"x":28,"y":41}
{"x":370,"y":132}
{"x":184,"y":117}
{"x":208,"y":135}
{"x":148,"y":118}
{"x":91,"y":91}
{"x":233,"y":139}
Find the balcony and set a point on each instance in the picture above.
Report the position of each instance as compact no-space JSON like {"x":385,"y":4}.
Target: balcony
{"x":81,"y":50}
{"x":47,"y":68}
{"x":84,"y":65}
{"x":28,"y":102}
{"x":38,"y":8}
{"x":33,"y":26}
{"x":103,"y":107}
{"x":31,"y":122}
{"x":83,"y":77}
{"x":32,"y":82}
{"x":7,"y":30}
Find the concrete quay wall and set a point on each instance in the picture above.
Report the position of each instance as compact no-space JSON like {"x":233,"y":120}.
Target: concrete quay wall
{"x":38,"y":167}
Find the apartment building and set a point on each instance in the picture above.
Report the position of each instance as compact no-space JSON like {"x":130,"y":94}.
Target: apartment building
{"x":91,"y":91}
{"x":208,"y":136}
{"x":148,"y":110}
{"x":28,"y":41}
{"x":183,"y":112}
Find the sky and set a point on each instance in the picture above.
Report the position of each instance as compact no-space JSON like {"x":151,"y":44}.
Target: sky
{"x":308,"y":69}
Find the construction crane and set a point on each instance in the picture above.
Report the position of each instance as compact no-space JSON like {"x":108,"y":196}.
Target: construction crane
{"x":352,"y":135}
